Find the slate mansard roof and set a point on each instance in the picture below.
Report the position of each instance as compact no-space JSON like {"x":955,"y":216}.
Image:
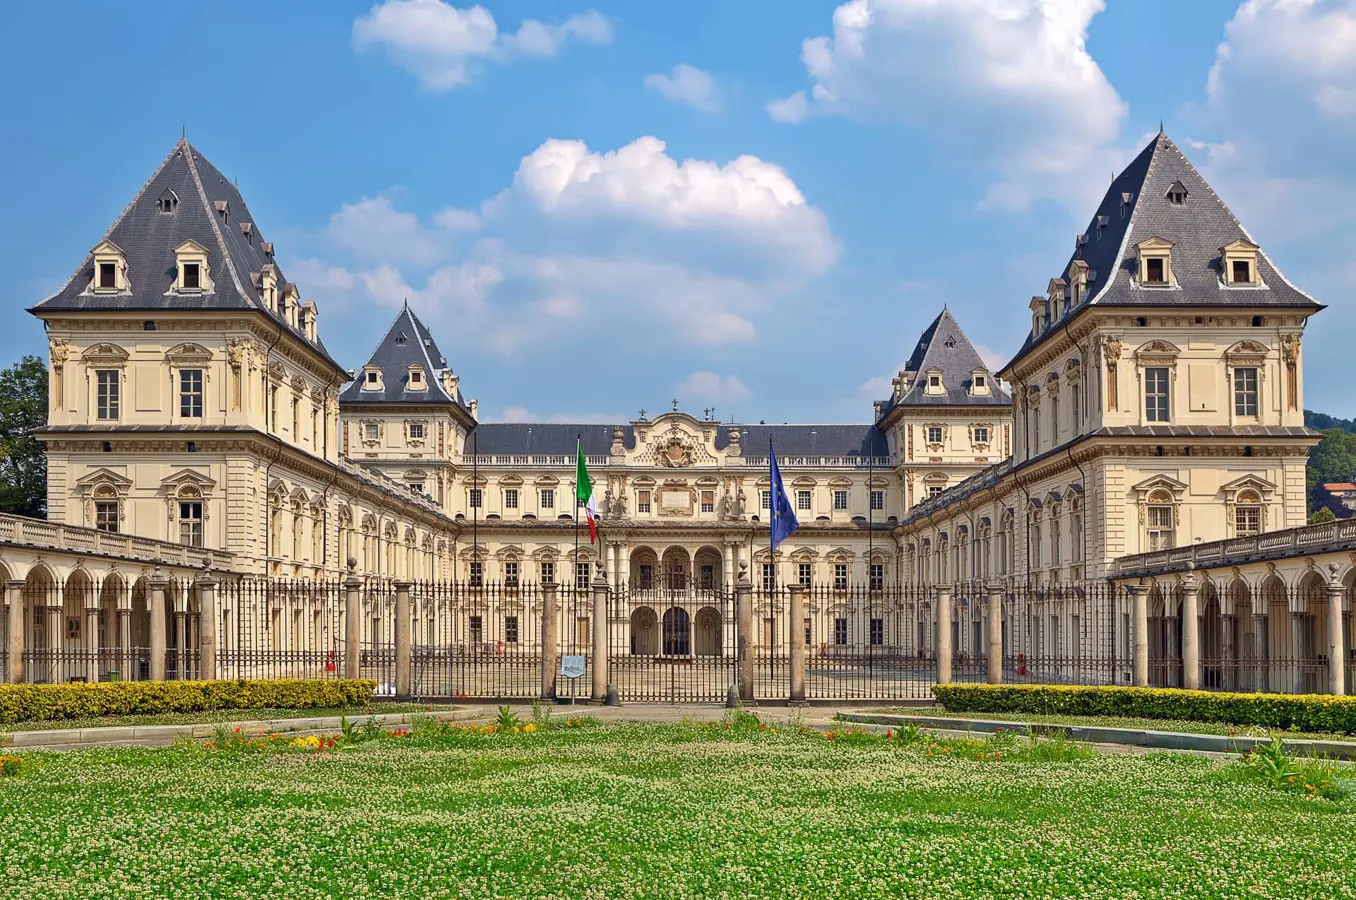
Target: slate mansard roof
{"x":943,"y":346}
{"x":788,"y":440}
{"x":1136,"y":208}
{"x":408,"y":342}
{"x":147,"y":236}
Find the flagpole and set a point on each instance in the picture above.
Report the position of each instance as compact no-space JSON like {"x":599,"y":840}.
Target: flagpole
{"x":574,"y":640}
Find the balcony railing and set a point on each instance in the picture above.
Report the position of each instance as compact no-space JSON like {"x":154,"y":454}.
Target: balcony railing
{"x":1327,"y":536}
{"x":25,"y":532}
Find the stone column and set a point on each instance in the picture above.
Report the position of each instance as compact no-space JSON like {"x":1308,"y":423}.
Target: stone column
{"x":599,"y":692}
{"x":1139,"y":602}
{"x":1337,"y":651}
{"x":156,"y":610}
{"x":550,"y":640}
{"x":943,"y":634}
{"x":995,"y":625}
{"x":728,"y":567}
{"x":181,"y":645}
{"x":128,"y":661}
{"x":207,"y":628}
{"x":797,"y":638}
{"x":403,"y":680}
{"x":353,"y":624}
{"x":1191,"y":632}
{"x":623,"y":566}
{"x":744,"y":610}
{"x":14,"y":593}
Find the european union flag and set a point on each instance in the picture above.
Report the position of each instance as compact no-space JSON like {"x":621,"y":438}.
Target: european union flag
{"x":784,"y":522}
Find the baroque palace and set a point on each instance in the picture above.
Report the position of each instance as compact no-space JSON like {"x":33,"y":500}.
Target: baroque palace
{"x":1155,"y":404}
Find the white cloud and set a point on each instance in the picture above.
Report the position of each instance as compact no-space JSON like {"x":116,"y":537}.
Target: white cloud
{"x":710,"y":386}
{"x":1005,"y":84}
{"x":691,"y":252}
{"x":443,"y":45}
{"x":689,"y":86}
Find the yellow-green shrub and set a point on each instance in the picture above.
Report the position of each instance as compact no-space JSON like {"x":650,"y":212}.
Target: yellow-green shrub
{"x":1300,"y":712}
{"x":43,"y":702}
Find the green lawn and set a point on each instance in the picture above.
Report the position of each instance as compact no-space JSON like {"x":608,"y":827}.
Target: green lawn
{"x":1186,"y":727}
{"x":220,"y":715}
{"x":658,"y":811}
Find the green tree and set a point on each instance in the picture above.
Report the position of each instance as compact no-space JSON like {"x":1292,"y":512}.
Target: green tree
{"x":1322,"y":514}
{"x":23,"y":464}
{"x":1332,"y":459}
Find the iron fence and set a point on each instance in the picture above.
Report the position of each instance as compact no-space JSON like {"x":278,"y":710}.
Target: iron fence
{"x":475,"y":640}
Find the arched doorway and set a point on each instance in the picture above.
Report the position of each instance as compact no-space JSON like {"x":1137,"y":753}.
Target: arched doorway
{"x":114,"y":628}
{"x":644,"y":632}
{"x":140,"y":632}
{"x":644,"y":569}
{"x":1310,"y":637}
{"x":1274,"y":670}
{"x":677,"y":569}
{"x":1244,"y":637}
{"x":1214,"y":666}
{"x":677,"y":632}
{"x":709,"y":569}
{"x":79,"y":648}
{"x":708,"y":632}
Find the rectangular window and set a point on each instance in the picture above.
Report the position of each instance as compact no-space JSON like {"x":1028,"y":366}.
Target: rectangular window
{"x":1054,"y":419}
{"x":840,"y":500}
{"x":416,"y":431}
{"x":510,"y":629}
{"x":192,"y":277}
{"x":981,"y":435}
{"x":769,"y":577}
{"x":510,"y":498}
{"x":1056,"y":540}
{"x":1247,"y":521}
{"x":416,"y":487}
{"x":1156,"y":395}
{"x":1161,"y":528}
{"x":802,"y":500}
{"x":548,"y":498}
{"x":877,"y":632}
{"x":548,"y":572}
{"x":878,"y":499}
{"x":190,"y":523}
{"x":934,"y":434}
{"x":106,"y":516}
{"x":642,"y":501}
{"x":1242,"y":271}
{"x":803,"y":572}
{"x":511,"y":573}
{"x":190,"y":393}
{"x":581,"y":575}
{"x":840,"y":632}
{"x":107,"y":383}
{"x":477,"y":573}
{"x":476,"y":498}
{"x":765,"y":499}
{"x":877,"y":576}
{"x":1245,"y":392}
{"x":477,"y":629}
{"x":108,"y":275}
{"x":840,"y":576}
{"x":935,"y":489}
{"x":372,"y":378}
{"x":646,"y":575}
{"x":1156,"y":271}
{"x":708,"y":501}
{"x":371,"y":431}
{"x":707,"y":574}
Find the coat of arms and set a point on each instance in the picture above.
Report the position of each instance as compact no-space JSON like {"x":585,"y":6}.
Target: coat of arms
{"x":674,"y":453}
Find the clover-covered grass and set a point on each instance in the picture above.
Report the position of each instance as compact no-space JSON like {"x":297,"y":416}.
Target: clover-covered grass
{"x":736,"y":809}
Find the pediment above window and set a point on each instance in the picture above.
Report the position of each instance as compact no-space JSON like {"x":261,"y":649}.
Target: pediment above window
{"x":1249,"y":482}
{"x":1158,"y":353}
{"x":186,"y":480}
{"x":1175,"y":488}
{"x":188,"y":355}
{"x":105,"y":355}
{"x":1246,"y":353}
{"x":102,"y":477}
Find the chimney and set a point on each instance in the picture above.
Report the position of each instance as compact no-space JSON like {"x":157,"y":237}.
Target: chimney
{"x":475,"y":410}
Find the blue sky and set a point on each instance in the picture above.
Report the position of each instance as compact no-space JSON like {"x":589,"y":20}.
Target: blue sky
{"x":754,"y":206}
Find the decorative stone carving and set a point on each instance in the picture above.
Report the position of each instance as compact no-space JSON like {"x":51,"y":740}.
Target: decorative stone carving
{"x":1290,"y":348}
{"x":673,"y":452}
{"x":58,"y":351}
{"x":1111,"y":354}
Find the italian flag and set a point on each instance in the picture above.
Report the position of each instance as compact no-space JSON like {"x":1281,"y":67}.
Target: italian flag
{"x":583,"y":492}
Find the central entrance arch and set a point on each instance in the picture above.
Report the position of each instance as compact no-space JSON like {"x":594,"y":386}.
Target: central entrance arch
{"x":677,"y":632}
{"x":708,"y":632}
{"x":644,"y":632}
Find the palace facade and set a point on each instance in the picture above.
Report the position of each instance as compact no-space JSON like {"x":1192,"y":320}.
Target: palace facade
{"x":1158,"y":402}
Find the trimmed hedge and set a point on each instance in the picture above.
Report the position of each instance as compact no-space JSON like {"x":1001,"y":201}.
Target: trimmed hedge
{"x":44,"y":702}
{"x":1298,"y":712}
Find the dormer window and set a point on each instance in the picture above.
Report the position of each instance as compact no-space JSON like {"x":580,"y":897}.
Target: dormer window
{"x":934,"y":383}
{"x":1126,"y":199}
{"x":168,"y":201}
{"x":1037,"y":307}
{"x":247,"y":229}
{"x":979,"y":383}
{"x":1155,"y":262}
{"x":1177,"y":194}
{"x":372,"y":379}
{"x":1238,"y":263}
{"x":223,"y":208}
{"x":191,"y":264}
{"x":110,"y":268}
{"x":401,"y":339}
{"x":416,"y":381}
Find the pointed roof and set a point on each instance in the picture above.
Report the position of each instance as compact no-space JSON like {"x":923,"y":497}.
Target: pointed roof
{"x":408,"y":342}
{"x":147,"y":236}
{"x":1135,"y":209}
{"x":944,"y":347}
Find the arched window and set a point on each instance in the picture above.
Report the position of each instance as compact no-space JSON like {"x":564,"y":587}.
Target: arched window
{"x":1161,"y":521}
{"x":189,"y":503}
{"x":107,"y":508}
{"x":1247,"y":514}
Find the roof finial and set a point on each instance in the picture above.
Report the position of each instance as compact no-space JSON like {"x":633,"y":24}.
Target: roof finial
{"x":183,"y":132}
{"x":1160,"y":126}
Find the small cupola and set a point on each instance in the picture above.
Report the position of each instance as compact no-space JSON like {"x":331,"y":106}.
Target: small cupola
{"x":192,"y":275}
{"x":1155,"y":262}
{"x":110,"y":269}
{"x":1238,"y":263}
